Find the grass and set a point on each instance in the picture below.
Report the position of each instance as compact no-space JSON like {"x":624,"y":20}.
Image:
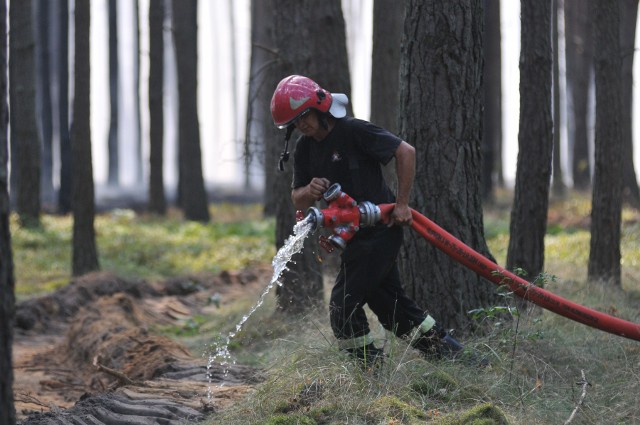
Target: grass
{"x":143,"y":246}
{"x":537,"y":359}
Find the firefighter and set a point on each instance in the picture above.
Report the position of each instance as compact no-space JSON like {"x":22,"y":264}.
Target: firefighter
{"x":335,"y":148}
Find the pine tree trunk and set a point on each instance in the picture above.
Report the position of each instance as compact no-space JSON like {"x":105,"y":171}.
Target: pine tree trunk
{"x":193,"y":196}
{"x":258,"y":117}
{"x":64,"y":192}
{"x":85,"y":253}
{"x":628,"y":18}
{"x":137,"y":154}
{"x":157,"y":200}
{"x":43,"y":98}
{"x":535,"y":141}
{"x":114,"y":78}
{"x":604,"y":254}
{"x":302,"y":49}
{"x":7,"y":282}
{"x":579,"y":50}
{"x":388,"y":17}
{"x":264,"y":76}
{"x":25,"y":145}
{"x":558,"y":187}
{"x":492,"y":126}
{"x":441,"y":115}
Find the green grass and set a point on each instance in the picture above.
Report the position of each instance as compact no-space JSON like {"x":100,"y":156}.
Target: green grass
{"x":143,"y":246}
{"x":536,"y":359}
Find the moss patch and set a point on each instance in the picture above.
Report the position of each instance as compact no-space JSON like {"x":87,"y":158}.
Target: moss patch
{"x":483,"y":414}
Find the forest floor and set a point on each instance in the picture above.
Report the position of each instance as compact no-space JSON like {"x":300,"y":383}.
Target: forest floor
{"x":88,"y":353}
{"x":98,"y":350}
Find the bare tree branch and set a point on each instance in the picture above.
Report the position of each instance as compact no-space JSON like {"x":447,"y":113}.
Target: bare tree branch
{"x":584,"y":384}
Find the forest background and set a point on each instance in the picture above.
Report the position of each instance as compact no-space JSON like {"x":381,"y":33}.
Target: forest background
{"x":222,"y":130}
{"x":231,"y":150}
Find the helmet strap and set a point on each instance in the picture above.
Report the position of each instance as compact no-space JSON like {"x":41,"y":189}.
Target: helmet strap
{"x":284,"y":156}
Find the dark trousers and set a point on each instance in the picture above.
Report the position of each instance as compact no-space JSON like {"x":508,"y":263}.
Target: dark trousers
{"x":369,"y":275}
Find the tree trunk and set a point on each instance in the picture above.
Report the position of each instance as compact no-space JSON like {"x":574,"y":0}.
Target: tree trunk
{"x":388,"y":17}
{"x":303,"y":50}
{"x":492,"y":125}
{"x":25,"y":146}
{"x":558,"y":187}
{"x":441,"y":114}
{"x":192,"y":193}
{"x":604,"y":254}
{"x":7,"y":282}
{"x":64,"y":192}
{"x":579,"y":64}
{"x":535,"y":140}
{"x":137,"y":153}
{"x":628,"y":18}
{"x":258,"y":95}
{"x":157,"y":200}
{"x":85,"y":253}
{"x":43,"y":98}
{"x":112,"y":145}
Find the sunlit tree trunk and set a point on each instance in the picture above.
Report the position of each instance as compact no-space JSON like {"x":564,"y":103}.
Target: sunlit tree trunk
{"x":492,"y":125}
{"x":192,"y":193}
{"x":7,"y":283}
{"x":25,"y":146}
{"x":157,"y":200}
{"x":441,"y":115}
{"x":604,"y":254}
{"x":85,"y":252}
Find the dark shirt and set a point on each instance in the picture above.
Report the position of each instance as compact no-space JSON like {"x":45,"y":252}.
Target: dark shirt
{"x":350,"y":155}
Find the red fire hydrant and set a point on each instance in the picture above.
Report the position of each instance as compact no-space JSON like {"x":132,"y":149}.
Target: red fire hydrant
{"x":343,"y":215}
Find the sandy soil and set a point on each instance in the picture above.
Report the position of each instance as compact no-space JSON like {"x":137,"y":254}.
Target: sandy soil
{"x":86,"y":355}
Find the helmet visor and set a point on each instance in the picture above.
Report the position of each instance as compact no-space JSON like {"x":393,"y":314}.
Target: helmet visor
{"x":293,"y":121}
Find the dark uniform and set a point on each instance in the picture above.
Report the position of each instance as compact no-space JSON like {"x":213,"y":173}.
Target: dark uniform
{"x":351,"y":155}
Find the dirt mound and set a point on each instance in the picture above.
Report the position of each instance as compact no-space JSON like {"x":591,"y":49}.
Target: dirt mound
{"x":85,"y":354}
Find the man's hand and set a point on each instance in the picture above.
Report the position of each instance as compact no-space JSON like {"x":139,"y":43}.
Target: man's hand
{"x":305,"y":196}
{"x":401,"y":215}
{"x":318,"y":187}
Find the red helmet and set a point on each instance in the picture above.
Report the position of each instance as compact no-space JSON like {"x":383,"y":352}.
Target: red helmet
{"x":295,"y":95}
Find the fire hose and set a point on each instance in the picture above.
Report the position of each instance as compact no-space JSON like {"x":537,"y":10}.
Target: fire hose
{"x":344,"y":216}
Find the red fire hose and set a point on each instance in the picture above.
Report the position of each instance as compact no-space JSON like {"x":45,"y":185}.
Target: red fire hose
{"x":475,"y":261}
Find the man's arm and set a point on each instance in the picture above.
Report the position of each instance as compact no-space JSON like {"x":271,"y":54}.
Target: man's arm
{"x":405,"y":171}
{"x":305,"y":196}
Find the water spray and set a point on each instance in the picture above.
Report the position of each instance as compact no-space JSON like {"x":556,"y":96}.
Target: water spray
{"x":345,"y":217}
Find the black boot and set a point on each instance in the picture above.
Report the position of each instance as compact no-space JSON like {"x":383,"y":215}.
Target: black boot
{"x":438,"y":344}
{"x":369,"y":356}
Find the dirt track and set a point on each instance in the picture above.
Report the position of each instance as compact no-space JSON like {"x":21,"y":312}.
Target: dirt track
{"x":85,"y":355}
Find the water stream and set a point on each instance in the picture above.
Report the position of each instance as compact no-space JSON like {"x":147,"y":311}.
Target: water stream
{"x":219,"y":352}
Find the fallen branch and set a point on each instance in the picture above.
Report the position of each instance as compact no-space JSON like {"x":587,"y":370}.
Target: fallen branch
{"x":28,"y":398}
{"x":584,"y":384}
{"x":121,"y":377}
